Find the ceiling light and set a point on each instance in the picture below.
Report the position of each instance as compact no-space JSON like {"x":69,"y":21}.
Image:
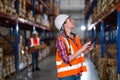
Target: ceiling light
{"x":83,"y":28}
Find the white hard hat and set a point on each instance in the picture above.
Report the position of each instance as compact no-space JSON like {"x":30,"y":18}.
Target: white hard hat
{"x":34,"y":32}
{"x":59,"y":20}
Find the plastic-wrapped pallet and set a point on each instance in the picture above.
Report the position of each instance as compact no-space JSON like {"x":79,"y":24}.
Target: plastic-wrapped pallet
{"x":45,"y":20}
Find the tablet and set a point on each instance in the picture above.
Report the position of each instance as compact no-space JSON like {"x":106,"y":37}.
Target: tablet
{"x":93,"y":40}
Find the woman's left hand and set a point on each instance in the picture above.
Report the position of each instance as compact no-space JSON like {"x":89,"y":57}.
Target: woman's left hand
{"x":88,"y":49}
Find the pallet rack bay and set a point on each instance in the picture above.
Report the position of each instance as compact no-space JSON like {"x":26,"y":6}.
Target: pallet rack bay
{"x":18,"y":18}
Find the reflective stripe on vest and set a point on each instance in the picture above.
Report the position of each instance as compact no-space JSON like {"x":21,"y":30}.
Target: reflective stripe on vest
{"x":72,"y":52}
{"x":69,"y":67}
{"x":33,"y":42}
{"x":78,"y":65}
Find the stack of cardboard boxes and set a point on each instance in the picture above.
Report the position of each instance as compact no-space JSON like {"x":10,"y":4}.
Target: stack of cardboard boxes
{"x":29,"y":15}
{"x":8,"y":6}
{"x":8,"y":60}
{"x":9,"y":65}
{"x":38,"y":18}
{"x":102,"y":66}
{"x":112,"y":69}
{"x":103,"y":7}
{"x":106,"y":66}
{"x":98,"y":8}
{"x":22,"y":8}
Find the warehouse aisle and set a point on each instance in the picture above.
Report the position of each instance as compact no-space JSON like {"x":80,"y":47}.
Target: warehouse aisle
{"x":92,"y":73}
{"x":48,"y":71}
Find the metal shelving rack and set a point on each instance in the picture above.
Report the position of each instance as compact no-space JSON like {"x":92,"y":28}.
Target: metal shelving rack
{"x":118,"y":61}
{"x":17,"y":24}
{"x":112,"y":37}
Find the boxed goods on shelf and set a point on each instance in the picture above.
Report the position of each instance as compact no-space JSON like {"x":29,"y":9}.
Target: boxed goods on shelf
{"x":8,"y":6}
{"x":41,"y":7}
{"x":95,"y":14}
{"x":98,"y":8}
{"x":112,"y":49}
{"x":1,"y":53}
{"x":38,"y":18}
{"x":8,"y":62}
{"x":36,"y":3}
{"x":102,"y":66}
{"x":1,"y":6}
{"x":29,"y":15}
{"x":112,"y":69}
{"x":6,"y":68}
{"x":113,"y":73}
{"x":103,"y":6}
{"x":51,"y":21}
{"x":27,"y":55}
{"x":12,"y":64}
{"x":22,"y":8}
{"x":107,"y":67}
{"x":56,"y":11}
{"x":112,"y":62}
{"x":45,"y":20}
{"x":111,"y":2}
{"x":96,"y":55}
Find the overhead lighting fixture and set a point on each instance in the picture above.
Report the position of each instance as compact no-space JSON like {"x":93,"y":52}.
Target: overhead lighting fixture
{"x":83,"y":28}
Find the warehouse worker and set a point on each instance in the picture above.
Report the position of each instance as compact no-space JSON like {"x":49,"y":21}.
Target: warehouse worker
{"x":35,"y":41}
{"x":70,"y":61}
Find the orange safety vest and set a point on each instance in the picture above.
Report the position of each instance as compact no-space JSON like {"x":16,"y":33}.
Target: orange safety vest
{"x":34,"y":42}
{"x":78,"y":64}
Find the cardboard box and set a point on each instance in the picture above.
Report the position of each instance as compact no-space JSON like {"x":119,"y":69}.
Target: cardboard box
{"x":112,"y":62}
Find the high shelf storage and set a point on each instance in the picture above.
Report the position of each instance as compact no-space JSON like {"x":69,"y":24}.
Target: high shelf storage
{"x":105,"y":17}
{"x":18,"y":18}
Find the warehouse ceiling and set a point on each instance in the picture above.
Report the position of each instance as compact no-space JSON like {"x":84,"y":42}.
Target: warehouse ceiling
{"x":74,"y":8}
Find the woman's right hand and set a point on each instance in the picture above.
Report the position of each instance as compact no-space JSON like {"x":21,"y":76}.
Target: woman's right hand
{"x":88,"y":46}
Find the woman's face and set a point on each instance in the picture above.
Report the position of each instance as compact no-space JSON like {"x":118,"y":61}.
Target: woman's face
{"x":69,"y":23}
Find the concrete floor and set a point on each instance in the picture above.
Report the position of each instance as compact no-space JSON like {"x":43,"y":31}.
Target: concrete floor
{"x":92,"y":73}
{"x":48,"y":71}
